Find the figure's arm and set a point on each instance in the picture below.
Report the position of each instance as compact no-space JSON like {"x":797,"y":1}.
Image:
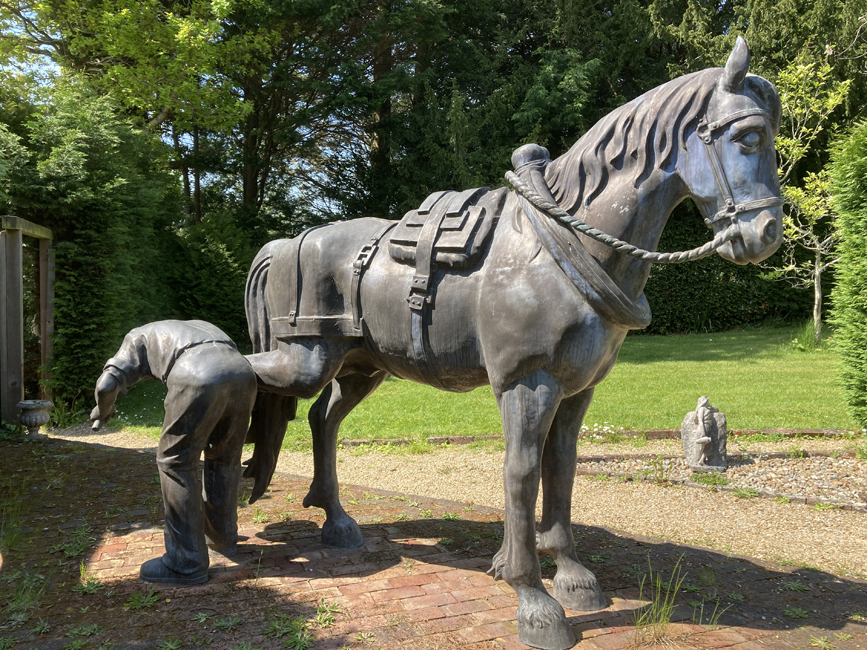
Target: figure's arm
{"x":108,"y":387}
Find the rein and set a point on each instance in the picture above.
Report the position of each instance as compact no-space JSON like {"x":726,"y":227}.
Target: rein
{"x":527,"y":194}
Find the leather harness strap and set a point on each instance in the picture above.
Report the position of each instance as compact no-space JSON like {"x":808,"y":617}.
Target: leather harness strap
{"x":294,"y":288}
{"x":362,"y":261}
{"x":731,"y":210}
{"x":419,"y":296}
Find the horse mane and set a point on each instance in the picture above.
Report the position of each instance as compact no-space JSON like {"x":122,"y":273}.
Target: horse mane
{"x":642,"y":136}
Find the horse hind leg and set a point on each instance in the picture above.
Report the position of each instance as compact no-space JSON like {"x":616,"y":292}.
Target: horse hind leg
{"x":333,"y":405}
{"x":298,"y":369}
{"x":575,"y":586}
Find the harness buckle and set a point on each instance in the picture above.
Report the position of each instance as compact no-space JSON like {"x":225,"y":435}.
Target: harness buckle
{"x":704,"y":132}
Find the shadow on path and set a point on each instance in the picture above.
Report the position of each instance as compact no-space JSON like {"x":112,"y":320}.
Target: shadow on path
{"x":419,"y":581}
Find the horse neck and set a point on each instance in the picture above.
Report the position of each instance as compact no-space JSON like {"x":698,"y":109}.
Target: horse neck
{"x":636,"y":215}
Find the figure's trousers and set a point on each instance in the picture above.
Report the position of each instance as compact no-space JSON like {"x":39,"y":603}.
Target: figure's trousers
{"x":211,"y":394}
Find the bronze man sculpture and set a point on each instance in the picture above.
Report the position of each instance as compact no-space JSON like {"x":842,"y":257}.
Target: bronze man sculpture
{"x":211,"y":392}
{"x":531,"y":292}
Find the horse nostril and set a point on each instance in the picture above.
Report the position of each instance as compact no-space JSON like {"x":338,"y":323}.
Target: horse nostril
{"x":769,"y":234}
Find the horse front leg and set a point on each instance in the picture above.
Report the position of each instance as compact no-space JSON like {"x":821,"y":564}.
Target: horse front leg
{"x":527,"y":408}
{"x":574,"y":586}
{"x":326,"y":414}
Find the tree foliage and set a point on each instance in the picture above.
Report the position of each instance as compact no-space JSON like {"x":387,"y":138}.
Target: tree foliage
{"x":849,"y":174}
{"x":77,"y":168}
{"x":204,"y":128}
{"x":809,"y":96}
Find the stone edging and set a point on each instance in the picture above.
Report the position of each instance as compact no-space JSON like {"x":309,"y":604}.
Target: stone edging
{"x":651,"y":434}
{"x":764,"y":494}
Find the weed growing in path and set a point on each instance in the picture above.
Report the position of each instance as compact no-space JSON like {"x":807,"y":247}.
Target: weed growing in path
{"x":652,"y":621}
{"x":712,"y":617}
{"x":202,"y":617}
{"x":795,"y":612}
{"x":710,"y":478}
{"x":325,"y":614}
{"x":29,"y":590}
{"x":707,"y":577}
{"x":143,"y":599}
{"x":746,"y":493}
{"x":170,"y":644}
{"x":293,"y":631}
{"x":228,"y":623}
{"x":88,"y":584}
{"x":11,"y":532}
{"x":78,"y":542}
{"x":41,"y":627}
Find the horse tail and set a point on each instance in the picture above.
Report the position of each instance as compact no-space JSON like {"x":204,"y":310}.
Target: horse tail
{"x":255,"y":301}
{"x":272,"y":412}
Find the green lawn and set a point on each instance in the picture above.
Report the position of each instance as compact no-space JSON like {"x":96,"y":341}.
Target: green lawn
{"x":753,"y":376}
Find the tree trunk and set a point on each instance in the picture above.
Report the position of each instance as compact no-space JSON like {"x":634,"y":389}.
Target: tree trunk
{"x":197,"y":184}
{"x":251,"y":165}
{"x":185,"y":171}
{"x":817,"y":299}
{"x":380,"y":153}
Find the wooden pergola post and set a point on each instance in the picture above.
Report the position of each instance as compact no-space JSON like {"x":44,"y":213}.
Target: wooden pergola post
{"x":12,"y":304}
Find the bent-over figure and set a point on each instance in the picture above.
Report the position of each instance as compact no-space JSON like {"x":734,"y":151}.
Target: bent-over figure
{"x":212,"y":389}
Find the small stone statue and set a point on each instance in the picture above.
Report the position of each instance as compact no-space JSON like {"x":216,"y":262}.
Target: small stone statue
{"x":212,"y":389}
{"x":704,"y":438}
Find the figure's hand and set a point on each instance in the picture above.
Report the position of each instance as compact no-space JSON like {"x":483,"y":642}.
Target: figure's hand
{"x":98,"y":419}
{"x":107,"y":389}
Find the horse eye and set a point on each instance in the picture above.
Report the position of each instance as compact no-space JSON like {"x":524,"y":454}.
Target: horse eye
{"x":750,"y":139}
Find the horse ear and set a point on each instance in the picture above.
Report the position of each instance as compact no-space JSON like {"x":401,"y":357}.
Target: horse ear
{"x":736,"y":67}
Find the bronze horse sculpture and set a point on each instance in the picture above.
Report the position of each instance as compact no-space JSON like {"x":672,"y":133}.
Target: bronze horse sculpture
{"x":503,"y":293}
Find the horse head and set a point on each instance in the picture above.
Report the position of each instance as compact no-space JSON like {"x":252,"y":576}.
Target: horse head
{"x":730,"y":166}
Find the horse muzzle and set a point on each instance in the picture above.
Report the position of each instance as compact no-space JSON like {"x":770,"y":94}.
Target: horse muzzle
{"x":760,"y":237}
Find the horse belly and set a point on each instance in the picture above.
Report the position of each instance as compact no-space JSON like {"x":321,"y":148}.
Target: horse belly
{"x":445,"y":351}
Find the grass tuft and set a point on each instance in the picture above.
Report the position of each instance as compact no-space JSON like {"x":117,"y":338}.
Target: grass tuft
{"x":652,"y":621}
{"x":710,"y":478}
{"x":143,"y":599}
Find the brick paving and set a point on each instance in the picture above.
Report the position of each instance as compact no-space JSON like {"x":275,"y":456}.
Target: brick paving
{"x":418,"y":583}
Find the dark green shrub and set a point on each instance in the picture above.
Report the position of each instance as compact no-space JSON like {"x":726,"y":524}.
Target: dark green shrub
{"x":210,"y":272}
{"x":100,"y":185}
{"x":849,"y":312}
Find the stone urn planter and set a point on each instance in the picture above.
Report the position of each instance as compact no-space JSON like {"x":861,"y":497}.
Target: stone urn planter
{"x":34,"y":413}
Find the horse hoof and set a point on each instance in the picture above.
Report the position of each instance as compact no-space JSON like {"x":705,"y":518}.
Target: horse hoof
{"x":342,"y":532}
{"x":580,"y":599}
{"x":542,"y":623}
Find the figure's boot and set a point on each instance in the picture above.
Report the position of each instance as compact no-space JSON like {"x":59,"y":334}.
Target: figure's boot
{"x":186,"y":558}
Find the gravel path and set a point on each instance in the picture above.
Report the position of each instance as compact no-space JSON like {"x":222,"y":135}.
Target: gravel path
{"x":818,"y":478}
{"x":789,"y":533}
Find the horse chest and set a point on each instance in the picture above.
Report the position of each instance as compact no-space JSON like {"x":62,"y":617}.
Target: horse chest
{"x":540,"y":321}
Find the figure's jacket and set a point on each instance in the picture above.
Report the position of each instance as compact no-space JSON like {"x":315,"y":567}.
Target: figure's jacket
{"x":150,"y":351}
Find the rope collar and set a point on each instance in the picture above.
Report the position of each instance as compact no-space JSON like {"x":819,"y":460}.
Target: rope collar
{"x":530,"y":161}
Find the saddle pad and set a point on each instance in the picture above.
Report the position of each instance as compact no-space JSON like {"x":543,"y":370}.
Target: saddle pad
{"x":466,"y":223}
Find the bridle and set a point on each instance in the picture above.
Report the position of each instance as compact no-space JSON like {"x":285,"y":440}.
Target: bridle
{"x":705,"y":131}
{"x":529,"y":176}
